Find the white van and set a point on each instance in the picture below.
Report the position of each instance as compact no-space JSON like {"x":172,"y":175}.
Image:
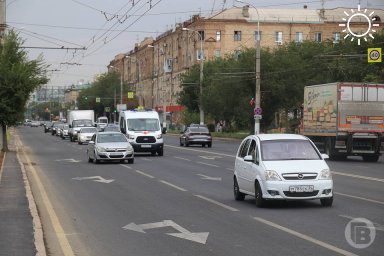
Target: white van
{"x":102,"y":122}
{"x":143,"y":130}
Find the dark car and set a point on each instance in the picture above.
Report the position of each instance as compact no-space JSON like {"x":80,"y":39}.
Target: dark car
{"x":196,"y":134}
{"x":47,"y":126}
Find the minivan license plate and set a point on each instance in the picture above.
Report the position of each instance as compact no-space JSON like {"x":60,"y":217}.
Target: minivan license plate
{"x":300,"y":189}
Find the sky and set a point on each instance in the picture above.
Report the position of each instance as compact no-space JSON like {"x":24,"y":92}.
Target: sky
{"x":105,"y":28}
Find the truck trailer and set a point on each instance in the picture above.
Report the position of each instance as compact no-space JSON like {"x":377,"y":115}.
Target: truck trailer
{"x":345,"y":119}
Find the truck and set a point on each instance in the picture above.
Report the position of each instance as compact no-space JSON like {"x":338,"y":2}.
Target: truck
{"x":78,"y":119}
{"x":143,"y":130}
{"x":345,"y":119}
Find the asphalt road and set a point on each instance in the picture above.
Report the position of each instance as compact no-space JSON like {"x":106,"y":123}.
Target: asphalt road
{"x":182,"y":204}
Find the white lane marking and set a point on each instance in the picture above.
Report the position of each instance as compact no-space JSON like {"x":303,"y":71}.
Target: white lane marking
{"x":126,"y":166}
{"x":185,"y":159}
{"x":172,"y":185}
{"x":201,"y":151}
{"x":205,"y":177}
{"x":361,"y":198}
{"x":146,"y":159}
{"x":145,"y":174}
{"x":357,"y":176}
{"x":305,"y":237}
{"x":213,"y":165}
{"x":217,"y":203}
{"x":377,"y":225}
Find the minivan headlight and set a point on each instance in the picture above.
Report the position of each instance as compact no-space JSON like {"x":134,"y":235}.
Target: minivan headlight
{"x":271,"y":175}
{"x":159,"y":136}
{"x":100,"y":149}
{"x":325,"y":175}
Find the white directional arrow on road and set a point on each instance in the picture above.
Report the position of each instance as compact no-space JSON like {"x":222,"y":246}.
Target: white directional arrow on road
{"x":205,"y":177}
{"x":200,"y":237}
{"x":71,"y":160}
{"x":94,"y":178}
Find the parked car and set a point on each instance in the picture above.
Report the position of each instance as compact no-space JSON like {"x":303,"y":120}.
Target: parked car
{"x":281,"y":167}
{"x":196,"y":134}
{"x":110,"y":146}
{"x":85,"y":134}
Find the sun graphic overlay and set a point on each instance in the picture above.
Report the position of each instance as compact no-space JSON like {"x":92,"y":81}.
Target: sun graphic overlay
{"x":364,"y":17}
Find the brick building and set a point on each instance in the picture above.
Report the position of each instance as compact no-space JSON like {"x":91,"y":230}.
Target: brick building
{"x":154,"y":67}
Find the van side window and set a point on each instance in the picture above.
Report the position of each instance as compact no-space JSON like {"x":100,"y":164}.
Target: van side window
{"x":252,"y":150}
{"x":244,"y":148}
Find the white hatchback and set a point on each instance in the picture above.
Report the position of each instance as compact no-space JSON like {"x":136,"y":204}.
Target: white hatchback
{"x":281,"y":167}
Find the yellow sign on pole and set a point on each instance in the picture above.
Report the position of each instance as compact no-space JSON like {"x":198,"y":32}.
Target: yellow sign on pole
{"x":131,"y":95}
{"x":374,"y":54}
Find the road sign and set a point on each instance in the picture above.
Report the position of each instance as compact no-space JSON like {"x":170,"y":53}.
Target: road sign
{"x":258,"y":117}
{"x":97,"y":99}
{"x":374,"y":54}
{"x":131,"y":95}
{"x":258,"y":111}
{"x":107,"y":109}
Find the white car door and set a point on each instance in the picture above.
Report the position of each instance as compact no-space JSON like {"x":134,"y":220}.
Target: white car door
{"x":251,"y":166}
{"x":240,"y":164}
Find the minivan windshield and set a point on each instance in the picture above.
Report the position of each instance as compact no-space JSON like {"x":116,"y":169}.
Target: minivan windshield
{"x":273,"y":150}
{"x":143,"y":124}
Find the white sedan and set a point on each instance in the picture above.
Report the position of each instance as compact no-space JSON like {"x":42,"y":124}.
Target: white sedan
{"x":281,"y":167}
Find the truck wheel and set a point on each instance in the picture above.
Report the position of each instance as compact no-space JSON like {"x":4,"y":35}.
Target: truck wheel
{"x":160,"y":152}
{"x":370,"y":158}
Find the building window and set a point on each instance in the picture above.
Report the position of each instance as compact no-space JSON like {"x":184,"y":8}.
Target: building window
{"x":336,"y":37}
{"x":237,"y":36}
{"x":200,"y":54}
{"x":299,"y":37}
{"x":218,"y":35}
{"x":279,"y":37}
{"x":217,"y":53}
{"x":318,"y":37}
{"x":257,"y":35}
{"x":201,"y":35}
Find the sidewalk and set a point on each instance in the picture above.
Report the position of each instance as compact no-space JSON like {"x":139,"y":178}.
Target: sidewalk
{"x":16,"y":223}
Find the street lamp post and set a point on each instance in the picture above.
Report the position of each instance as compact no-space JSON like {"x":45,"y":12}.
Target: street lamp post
{"x":201,"y":74}
{"x":257,"y":70}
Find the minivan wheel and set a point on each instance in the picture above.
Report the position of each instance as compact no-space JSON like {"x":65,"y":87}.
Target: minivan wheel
{"x":239,"y":196}
{"x":327,"y":202}
{"x":259,"y":200}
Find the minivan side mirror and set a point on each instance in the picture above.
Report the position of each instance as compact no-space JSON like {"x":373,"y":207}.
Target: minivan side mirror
{"x":164,"y":130}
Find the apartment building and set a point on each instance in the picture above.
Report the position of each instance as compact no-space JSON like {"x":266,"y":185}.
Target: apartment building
{"x":154,"y":67}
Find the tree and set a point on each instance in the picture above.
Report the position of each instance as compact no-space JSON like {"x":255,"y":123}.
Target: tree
{"x":19,"y":77}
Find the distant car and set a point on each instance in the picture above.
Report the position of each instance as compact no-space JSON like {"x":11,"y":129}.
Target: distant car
{"x":47,"y":126}
{"x":64,"y":131}
{"x":54,"y":127}
{"x":85,"y":134}
{"x":110,"y":146}
{"x":196,"y":134}
{"x":58,"y":129}
{"x":35,"y":124}
{"x":281,"y":167}
{"x":111,"y":128}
